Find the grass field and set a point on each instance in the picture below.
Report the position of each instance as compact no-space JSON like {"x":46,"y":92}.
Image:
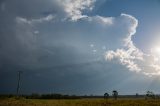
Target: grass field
{"x":79,"y":102}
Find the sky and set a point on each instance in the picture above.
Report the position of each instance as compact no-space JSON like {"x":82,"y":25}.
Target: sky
{"x":80,"y":47}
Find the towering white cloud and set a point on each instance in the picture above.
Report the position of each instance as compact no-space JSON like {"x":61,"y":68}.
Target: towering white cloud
{"x":75,"y":8}
{"x":132,"y":57}
{"x":129,"y":53}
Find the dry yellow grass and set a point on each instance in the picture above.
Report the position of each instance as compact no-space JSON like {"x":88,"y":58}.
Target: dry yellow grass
{"x":79,"y":102}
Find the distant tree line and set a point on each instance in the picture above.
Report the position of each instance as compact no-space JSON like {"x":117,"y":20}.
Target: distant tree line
{"x":3,"y":96}
{"x":148,"y":95}
{"x":52,"y":96}
{"x":42,"y":96}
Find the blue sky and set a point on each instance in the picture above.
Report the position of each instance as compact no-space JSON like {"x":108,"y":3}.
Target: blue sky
{"x":146,"y":11}
{"x":80,"y":46}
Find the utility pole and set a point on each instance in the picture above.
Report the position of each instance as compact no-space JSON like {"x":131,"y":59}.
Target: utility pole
{"x":18,"y":84}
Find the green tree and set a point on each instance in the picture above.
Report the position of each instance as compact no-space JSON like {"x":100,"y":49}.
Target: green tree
{"x":115,"y":94}
{"x":150,"y":94}
{"x":106,"y":96}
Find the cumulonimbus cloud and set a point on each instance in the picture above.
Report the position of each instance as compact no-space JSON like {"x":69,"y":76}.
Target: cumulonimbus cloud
{"x":119,"y":30}
{"x":129,"y":54}
{"x":132,"y":57}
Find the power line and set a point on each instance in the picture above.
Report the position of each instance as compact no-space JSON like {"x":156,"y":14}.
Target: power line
{"x":18,"y":83}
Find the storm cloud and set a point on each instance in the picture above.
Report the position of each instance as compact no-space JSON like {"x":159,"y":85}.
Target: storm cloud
{"x":61,"y":49}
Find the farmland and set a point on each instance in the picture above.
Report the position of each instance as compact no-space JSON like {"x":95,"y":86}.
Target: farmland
{"x":79,"y":102}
